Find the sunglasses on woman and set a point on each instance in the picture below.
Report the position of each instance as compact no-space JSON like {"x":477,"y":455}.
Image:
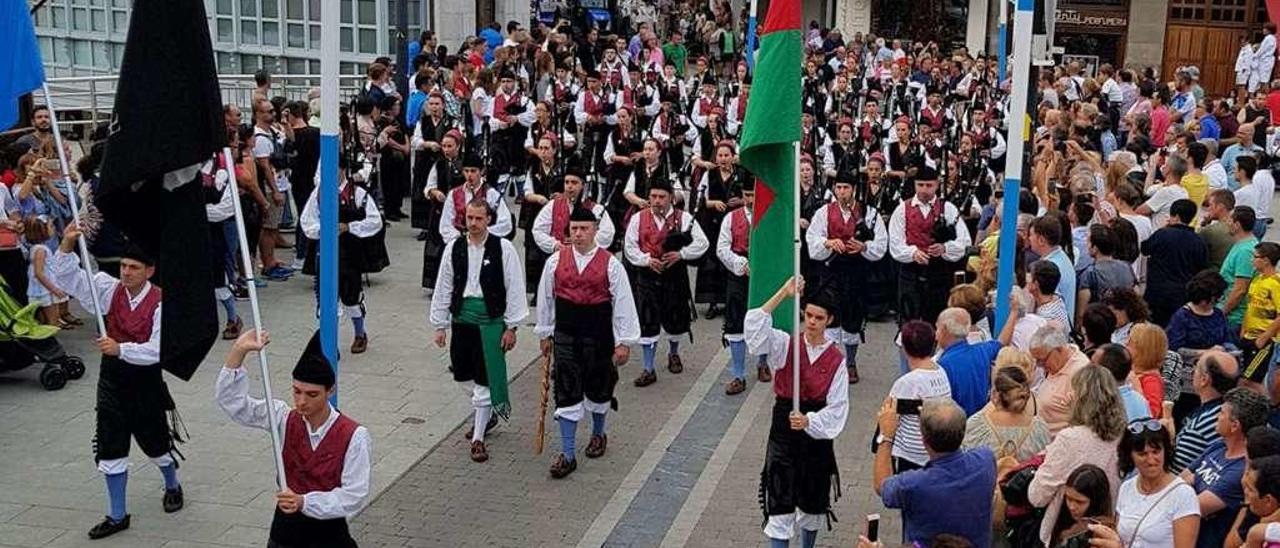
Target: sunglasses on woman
{"x":1148,"y":425}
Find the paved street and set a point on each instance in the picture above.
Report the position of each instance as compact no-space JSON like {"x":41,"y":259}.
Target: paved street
{"x":682,"y":467}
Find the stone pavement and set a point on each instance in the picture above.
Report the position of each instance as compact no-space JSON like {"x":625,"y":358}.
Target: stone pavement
{"x":51,"y":493}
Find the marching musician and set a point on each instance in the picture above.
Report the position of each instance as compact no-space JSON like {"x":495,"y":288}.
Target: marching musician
{"x":660,"y":242}
{"x":928,"y":239}
{"x":544,"y":185}
{"x":719,"y":191}
{"x":847,"y":236}
{"x":732,"y":247}
{"x":444,"y":175}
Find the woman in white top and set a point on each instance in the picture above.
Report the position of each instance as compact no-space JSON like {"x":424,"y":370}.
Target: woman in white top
{"x":924,"y":381}
{"x":1155,"y":508}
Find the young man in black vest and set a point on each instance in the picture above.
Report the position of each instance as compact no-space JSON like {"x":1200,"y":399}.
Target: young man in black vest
{"x":586,"y":316}
{"x":133,"y":400}
{"x":325,"y":453}
{"x":479,"y":294}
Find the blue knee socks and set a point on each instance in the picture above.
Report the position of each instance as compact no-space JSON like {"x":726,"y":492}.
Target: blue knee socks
{"x":675,"y":346}
{"x":568,"y":431}
{"x":597,"y":424}
{"x":229,"y":304}
{"x":738,"y":359}
{"x":116,"y":484}
{"x":170,"y":474}
{"x":808,"y":538}
{"x":358,"y":323}
{"x":650,"y":351}
{"x":850,"y":355}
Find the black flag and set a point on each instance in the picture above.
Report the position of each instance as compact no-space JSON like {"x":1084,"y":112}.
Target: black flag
{"x":167,"y":120}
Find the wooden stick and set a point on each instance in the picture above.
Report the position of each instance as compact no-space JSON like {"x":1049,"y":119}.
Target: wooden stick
{"x":540,"y":440}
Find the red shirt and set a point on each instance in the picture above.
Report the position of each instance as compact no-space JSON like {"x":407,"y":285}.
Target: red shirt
{"x":1273,"y":105}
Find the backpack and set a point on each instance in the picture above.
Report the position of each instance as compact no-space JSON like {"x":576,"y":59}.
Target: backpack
{"x":282,"y":155}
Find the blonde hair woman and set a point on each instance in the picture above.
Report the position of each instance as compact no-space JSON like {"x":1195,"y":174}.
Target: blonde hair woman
{"x":1148,"y":345}
{"x":1005,"y":426}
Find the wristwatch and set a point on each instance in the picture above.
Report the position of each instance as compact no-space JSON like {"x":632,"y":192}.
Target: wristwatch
{"x":881,"y":439}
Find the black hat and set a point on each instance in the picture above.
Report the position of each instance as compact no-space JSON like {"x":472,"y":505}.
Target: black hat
{"x":660,"y":184}
{"x":926,"y":172}
{"x":824,"y":297}
{"x":746,"y":81}
{"x":749,"y":184}
{"x":582,"y":214}
{"x":313,"y":367}
{"x":132,"y":251}
{"x":576,"y":172}
{"x":506,"y":74}
{"x":593,"y":74}
{"x":843,"y":178}
{"x":472,"y":160}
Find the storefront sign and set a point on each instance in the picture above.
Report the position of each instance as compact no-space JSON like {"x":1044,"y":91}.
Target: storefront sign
{"x":1093,"y":19}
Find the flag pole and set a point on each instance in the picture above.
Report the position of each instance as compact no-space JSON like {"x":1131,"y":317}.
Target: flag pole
{"x":247,"y":262}
{"x":327,"y":256}
{"x":750,"y":50}
{"x":797,"y":336}
{"x":74,"y":201}
{"x":1017,"y":131}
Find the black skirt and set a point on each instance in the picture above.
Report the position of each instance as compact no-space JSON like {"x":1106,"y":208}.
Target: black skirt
{"x":799,"y":471}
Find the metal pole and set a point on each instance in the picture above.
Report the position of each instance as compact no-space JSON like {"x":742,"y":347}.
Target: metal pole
{"x":247,"y":261}
{"x":74,"y":201}
{"x":327,"y":256}
{"x":750,"y":51}
{"x":1018,"y":132}
{"x":1002,"y":46}
{"x":797,"y":343}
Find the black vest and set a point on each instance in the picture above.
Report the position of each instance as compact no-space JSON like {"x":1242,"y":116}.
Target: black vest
{"x":492,"y":283}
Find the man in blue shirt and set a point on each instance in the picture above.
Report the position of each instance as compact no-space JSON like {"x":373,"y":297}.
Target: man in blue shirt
{"x":968,"y":364}
{"x":1209,"y":128}
{"x":952,"y":493}
{"x":1046,"y":241}
{"x":1216,"y":475}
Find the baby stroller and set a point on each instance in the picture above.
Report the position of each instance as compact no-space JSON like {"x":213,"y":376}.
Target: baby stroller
{"x":25,"y":341}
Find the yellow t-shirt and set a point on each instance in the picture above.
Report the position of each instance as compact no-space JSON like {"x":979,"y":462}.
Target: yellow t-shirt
{"x":1264,"y":299}
{"x":1197,"y":187}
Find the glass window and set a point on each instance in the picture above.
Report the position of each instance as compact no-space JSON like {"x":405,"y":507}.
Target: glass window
{"x":415,"y":14}
{"x":99,"y":20}
{"x":80,"y":19}
{"x":347,"y":40}
{"x":59,"y":16}
{"x":81,"y":53}
{"x":248,"y":8}
{"x":368,"y":12}
{"x":313,"y":40}
{"x":293,"y":9}
{"x":226,"y":62}
{"x":117,"y":55}
{"x":296,"y":66}
{"x":121,"y":3}
{"x":313,"y":10}
{"x":249,"y":63}
{"x":100,"y":56}
{"x":120,"y":21}
{"x":315,"y":66}
{"x":79,"y":2}
{"x":42,"y":17}
{"x":248,"y":31}
{"x":350,"y":68}
{"x":271,"y":34}
{"x":226,"y":30}
{"x":98,"y":2}
{"x":368,"y":41}
{"x":270,"y":9}
{"x":225,"y":7}
{"x":346,"y":11}
{"x":60,"y":51}
{"x":46,"y":47}
{"x":297,"y":36}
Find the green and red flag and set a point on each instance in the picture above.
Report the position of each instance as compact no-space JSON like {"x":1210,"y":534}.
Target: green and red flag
{"x":770,"y":131}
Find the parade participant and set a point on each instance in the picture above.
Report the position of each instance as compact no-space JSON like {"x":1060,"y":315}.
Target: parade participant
{"x":480,"y":296}
{"x":708,"y":101}
{"x":220,"y":209}
{"x":732,"y":246}
{"x":901,"y":153}
{"x":621,"y":151}
{"x":800,"y":461}
{"x":613,"y":69}
{"x":990,"y":141}
{"x":813,"y":139}
{"x":672,"y":130}
{"x":596,"y":120}
{"x":550,"y":230}
{"x":928,"y":239}
{"x":659,"y":243}
{"x":719,"y":191}
{"x":325,"y":453}
{"x":359,"y":222}
{"x":653,"y":169}
{"x":453,"y":220}
{"x":843,"y":154}
{"x":586,"y":320}
{"x":738,"y":107}
{"x":812,"y":196}
{"x":670,"y":87}
{"x":847,"y":237}
{"x":544,"y":185}
{"x":443,"y":175}
{"x":508,"y":132}
{"x":544,"y":124}
{"x":934,"y":114}
{"x":133,"y":401}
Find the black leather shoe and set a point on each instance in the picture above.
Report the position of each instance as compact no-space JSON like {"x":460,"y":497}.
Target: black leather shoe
{"x":108,"y":527}
{"x":173,"y":500}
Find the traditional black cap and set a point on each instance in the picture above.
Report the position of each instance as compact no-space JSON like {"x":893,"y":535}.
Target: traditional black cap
{"x":823,"y":297}
{"x":926,"y":172}
{"x":132,"y":251}
{"x":593,"y":74}
{"x":843,"y":178}
{"x":749,"y":184}
{"x":576,"y":172}
{"x":581,"y":214}
{"x":660,"y":184}
{"x":313,"y":367}
{"x":506,"y":74}
{"x":472,"y":160}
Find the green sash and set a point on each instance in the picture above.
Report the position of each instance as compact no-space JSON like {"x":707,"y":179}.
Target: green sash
{"x":473,"y":312}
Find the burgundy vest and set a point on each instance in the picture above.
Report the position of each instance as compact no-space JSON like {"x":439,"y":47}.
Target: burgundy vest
{"x":591,"y":286}
{"x":708,"y":104}
{"x":740,"y":232}
{"x":125,"y":325}
{"x":500,"y":103}
{"x":837,"y":227}
{"x":460,"y":204}
{"x":933,"y":119}
{"x":742,"y":106}
{"x":652,"y":236}
{"x":320,"y":469}
{"x":815,"y":378}
{"x":919,"y":230}
{"x":560,"y":217}
{"x":592,"y":104}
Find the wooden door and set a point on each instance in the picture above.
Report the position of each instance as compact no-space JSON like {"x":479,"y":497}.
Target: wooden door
{"x":1212,"y":49}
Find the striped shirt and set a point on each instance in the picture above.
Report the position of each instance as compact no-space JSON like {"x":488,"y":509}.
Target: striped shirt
{"x":1197,"y":433}
{"x":1055,"y":309}
{"x":917,"y":384}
